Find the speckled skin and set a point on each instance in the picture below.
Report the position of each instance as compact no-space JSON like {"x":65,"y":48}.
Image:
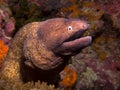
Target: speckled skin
{"x":40,"y":50}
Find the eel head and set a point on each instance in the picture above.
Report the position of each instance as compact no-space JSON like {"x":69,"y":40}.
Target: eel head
{"x":55,"y":38}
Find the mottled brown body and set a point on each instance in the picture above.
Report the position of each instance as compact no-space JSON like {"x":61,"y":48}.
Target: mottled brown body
{"x":40,"y":50}
{"x":11,"y":67}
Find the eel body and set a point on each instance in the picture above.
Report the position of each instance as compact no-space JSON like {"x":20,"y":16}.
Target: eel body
{"x":41,"y":50}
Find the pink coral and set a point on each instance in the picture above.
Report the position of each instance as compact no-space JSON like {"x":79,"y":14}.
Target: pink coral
{"x":7,"y":24}
{"x":9,"y":27}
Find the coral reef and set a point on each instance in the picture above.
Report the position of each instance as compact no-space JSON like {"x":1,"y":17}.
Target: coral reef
{"x":102,"y":59}
{"x":7,"y":23}
{"x":3,"y":52}
{"x":93,"y":73}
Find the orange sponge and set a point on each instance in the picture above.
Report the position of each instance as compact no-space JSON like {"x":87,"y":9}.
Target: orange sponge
{"x":3,"y":51}
{"x":69,"y":78}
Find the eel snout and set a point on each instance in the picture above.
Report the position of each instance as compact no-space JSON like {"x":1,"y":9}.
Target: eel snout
{"x":75,"y":42}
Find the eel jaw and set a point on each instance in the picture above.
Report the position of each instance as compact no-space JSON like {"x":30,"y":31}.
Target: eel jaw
{"x":73,"y":47}
{"x":73,"y":44}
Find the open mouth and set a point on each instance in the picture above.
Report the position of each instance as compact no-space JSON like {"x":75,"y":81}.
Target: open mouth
{"x":73,"y":44}
{"x":75,"y":36}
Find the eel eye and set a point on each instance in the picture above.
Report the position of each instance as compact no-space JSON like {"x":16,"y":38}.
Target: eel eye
{"x":69,"y":28}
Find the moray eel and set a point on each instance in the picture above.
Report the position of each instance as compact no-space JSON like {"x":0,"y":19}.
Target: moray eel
{"x":41,"y":50}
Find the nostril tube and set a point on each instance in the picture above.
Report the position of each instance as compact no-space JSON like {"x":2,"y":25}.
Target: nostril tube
{"x":88,"y":25}
{"x":85,"y":26}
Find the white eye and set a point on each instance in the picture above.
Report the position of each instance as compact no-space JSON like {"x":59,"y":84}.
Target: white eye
{"x":69,"y":28}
